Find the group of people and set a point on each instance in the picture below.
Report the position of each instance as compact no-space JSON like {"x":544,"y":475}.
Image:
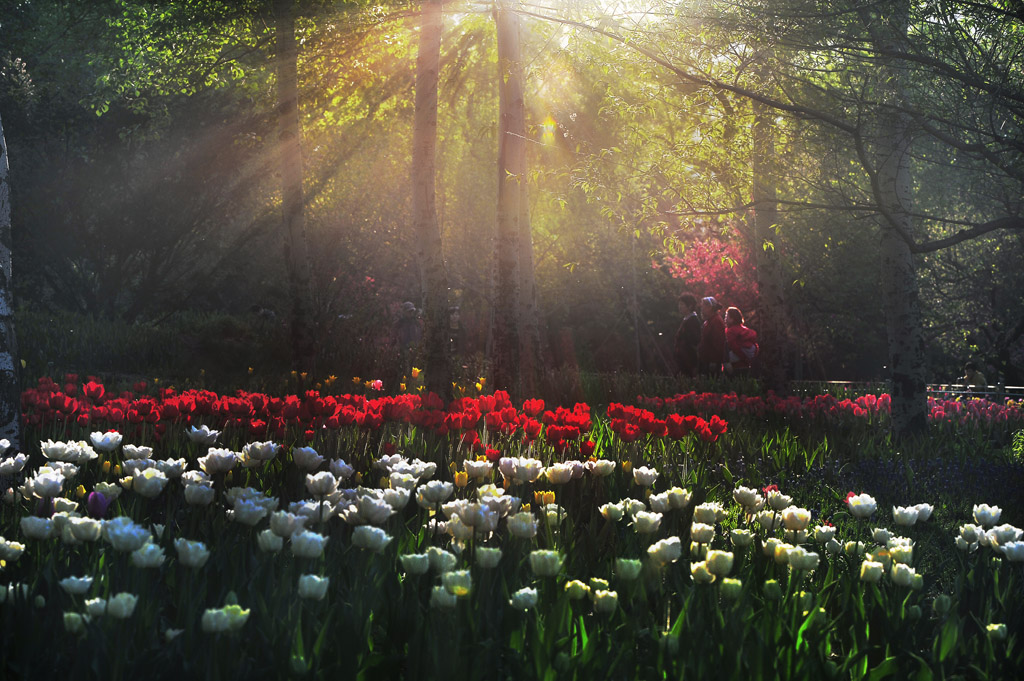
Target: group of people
{"x":708,"y":343}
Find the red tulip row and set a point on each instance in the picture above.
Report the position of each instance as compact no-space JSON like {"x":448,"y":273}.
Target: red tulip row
{"x":970,"y":411}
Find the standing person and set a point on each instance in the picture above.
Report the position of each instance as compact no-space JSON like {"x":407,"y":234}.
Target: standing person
{"x":973,"y":378}
{"x":740,"y":340}
{"x":711,"y":351}
{"x":688,"y":336}
{"x":407,"y":333}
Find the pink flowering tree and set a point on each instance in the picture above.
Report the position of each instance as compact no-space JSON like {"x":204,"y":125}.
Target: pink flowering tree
{"x":717,"y":268}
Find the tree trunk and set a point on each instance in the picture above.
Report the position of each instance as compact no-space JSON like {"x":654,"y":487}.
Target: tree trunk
{"x":290,"y":159}
{"x":899,"y":273}
{"x":433,"y":278}
{"x":772,"y":304}
{"x":511,"y":134}
{"x":529,"y":312}
{"x":10,"y":399}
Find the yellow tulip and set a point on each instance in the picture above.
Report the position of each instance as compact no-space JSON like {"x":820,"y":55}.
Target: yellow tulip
{"x":461,"y":479}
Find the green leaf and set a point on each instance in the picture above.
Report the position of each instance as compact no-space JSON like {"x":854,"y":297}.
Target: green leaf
{"x":948,"y":638}
{"x":888,"y":667}
{"x":298,"y":650}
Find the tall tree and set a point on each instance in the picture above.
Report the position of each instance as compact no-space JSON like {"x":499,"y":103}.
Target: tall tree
{"x":892,"y":188}
{"x":433,"y":277}
{"x":936,"y":78}
{"x":10,"y":388}
{"x":292,"y":205}
{"x":505,"y":320}
{"x":766,"y":246}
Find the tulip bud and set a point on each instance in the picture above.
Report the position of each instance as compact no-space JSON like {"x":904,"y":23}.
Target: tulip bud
{"x":772,"y":590}
{"x":731,"y":588}
{"x":871,"y":571}
{"x":576,"y":590}
{"x":299,"y":665}
{"x":741,"y":538}
{"x":74,"y":623}
{"x":996,"y":632}
{"x":669,"y":643}
{"x":914,"y":613}
{"x":524,"y":599}
{"x":627,"y":569}
{"x":942,"y":604}
{"x":441,"y":598}
{"x":719,"y":562}
{"x":605,"y":601}
{"x":701,"y":574}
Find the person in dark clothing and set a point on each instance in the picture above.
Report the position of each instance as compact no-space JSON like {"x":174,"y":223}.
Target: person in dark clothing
{"x":406,"y":333}
{"x":711,"y":351}
{"x":688,"y":336}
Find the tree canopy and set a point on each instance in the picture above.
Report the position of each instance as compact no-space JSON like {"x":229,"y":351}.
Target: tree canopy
{"x":142,"y":133}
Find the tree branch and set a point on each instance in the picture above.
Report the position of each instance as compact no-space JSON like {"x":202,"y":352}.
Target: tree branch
{"x":1009,"y":223}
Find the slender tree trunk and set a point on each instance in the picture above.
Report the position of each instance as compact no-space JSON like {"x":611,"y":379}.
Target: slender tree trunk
{"x":10,"y":399}
{"x":511,"y":134}
{"x":899,"y":273}
{"x":290,"y":150}
{"x":433,"y":278}
{"x":772,"y":304}
{"x":634,"y":304}
{"x":529,"y":308}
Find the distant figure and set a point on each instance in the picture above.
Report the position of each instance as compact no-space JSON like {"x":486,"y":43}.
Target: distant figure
{"x":688,"y":336}
{"x":455,"y":341}
{"x":972,"y":377}
{"x":407,"y":333}
{"x":264,"y":314}
{"x":740,"y":340}
{"x":711,"y":351}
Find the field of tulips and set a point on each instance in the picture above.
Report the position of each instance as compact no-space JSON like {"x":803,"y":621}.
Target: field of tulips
{"x":368,"y":536}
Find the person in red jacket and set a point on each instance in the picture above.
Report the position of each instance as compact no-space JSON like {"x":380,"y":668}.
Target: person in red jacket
{"x":741,"y":340}
{"x":711,"y":351}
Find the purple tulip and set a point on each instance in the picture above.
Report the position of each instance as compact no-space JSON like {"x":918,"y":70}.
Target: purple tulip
{"x":45,"y":507}
{"x":97,"y":505}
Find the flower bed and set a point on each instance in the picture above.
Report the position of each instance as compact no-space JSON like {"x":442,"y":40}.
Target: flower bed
{"x":254,"y":536}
